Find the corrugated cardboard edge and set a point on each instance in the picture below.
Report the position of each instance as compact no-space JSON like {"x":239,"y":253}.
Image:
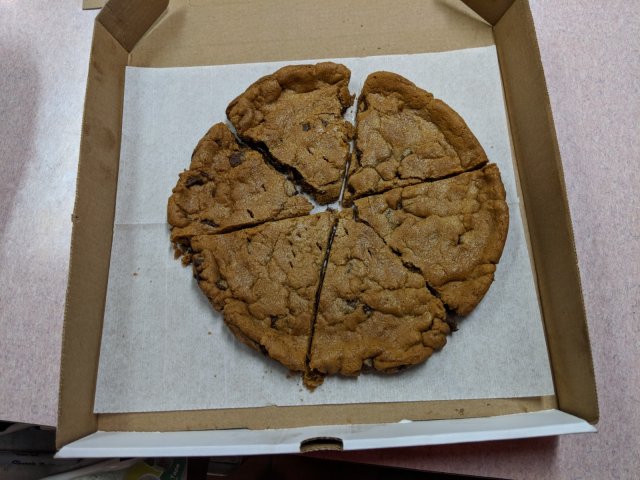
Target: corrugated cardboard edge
{"x":308,"y":30}
{"x":547,"y":211}
{"x":302,"y":416}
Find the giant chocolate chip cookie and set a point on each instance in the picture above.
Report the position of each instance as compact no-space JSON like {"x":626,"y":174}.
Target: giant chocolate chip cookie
{"x":371,"y":287}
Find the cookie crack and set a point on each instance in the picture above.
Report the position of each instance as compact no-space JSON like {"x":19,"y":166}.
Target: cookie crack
{"x":286,"y":170}
{"x":419,"y":181}
{"x":450,"y":317}
{"x":311,"y":378}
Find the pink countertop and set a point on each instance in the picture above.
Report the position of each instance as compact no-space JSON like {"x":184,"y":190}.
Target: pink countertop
{"x":591,"y":56}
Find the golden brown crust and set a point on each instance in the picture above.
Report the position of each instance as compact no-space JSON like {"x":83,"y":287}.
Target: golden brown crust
{"x":453,"y":231}
{"x":228,"y":186}
{"x":373,"y":311}
{"x":264,"y":280}
{"x":296,"y":114}
{"x":405,"y":136}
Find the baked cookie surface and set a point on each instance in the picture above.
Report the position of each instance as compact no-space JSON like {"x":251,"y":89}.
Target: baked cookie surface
{"x":228,"y":186}
{"x":373,"y":311}
{"x":453,"y":231}
{"x":264,"y":280}
{"x":296,"y":115}
{"x":405,"y":136}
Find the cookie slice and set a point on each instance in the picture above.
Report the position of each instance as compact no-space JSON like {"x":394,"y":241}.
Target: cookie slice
{"x":373,"y":311}
{"x":453,"y":231}
{"x":405,"y":136}
{"x":227,"y":187}
{"x":264,"y":280}
{"x":296,"y":115}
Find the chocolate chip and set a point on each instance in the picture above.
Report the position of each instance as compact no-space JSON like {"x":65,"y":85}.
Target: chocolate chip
{"x":351,"y":304}
{"x":222,"y":284}
{"x":273,"y":319}
{"x":306,"y":127}
{"x":195,"y":180}
{"x":197,"y":260}
{"x":211,"y":223}
{"x":367,"y":309}
{"x":236,"y":158}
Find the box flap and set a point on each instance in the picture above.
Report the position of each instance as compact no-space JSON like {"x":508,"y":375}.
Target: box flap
{"x":346,"y":437}
{"x":547,"y":210}
{"x":128,"y":20}
{"x":91,"y":236}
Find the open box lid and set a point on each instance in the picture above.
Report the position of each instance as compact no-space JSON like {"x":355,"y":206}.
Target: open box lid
{"x":144,"y":33}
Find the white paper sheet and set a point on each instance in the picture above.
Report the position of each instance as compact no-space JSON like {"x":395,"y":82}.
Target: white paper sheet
{"x":164,"y":347}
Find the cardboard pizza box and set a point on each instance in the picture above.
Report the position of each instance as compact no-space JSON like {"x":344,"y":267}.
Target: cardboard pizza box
{"x":159,"y":33}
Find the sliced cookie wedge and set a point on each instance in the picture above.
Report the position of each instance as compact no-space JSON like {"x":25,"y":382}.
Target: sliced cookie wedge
{"x":264,"y":280}
{"x":404,"y":136}
{"x":227,"y":187}
{"x":452,"y":231}
{"x":296,"y":115}
{"x":373,"y":311}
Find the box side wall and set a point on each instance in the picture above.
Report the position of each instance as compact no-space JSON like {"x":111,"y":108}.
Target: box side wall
{"x":91,"y":236}
{"x":291,"y":417}
{"x":201,"y":32}
{"x":548,"y":219}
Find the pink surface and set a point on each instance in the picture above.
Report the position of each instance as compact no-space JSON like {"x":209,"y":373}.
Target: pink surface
{"x":591,"y":55}
{"x":43,"y":68}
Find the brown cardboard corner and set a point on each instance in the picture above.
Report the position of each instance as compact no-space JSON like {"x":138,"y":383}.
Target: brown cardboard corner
{"x":199,"y":32}
{"x":491,"y":11}
{"x":93,"y":4}
{"x":91,"y":237}
{"x":306,"y":415}
{"x":128,"y":20}
{"x":547,"y":211}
